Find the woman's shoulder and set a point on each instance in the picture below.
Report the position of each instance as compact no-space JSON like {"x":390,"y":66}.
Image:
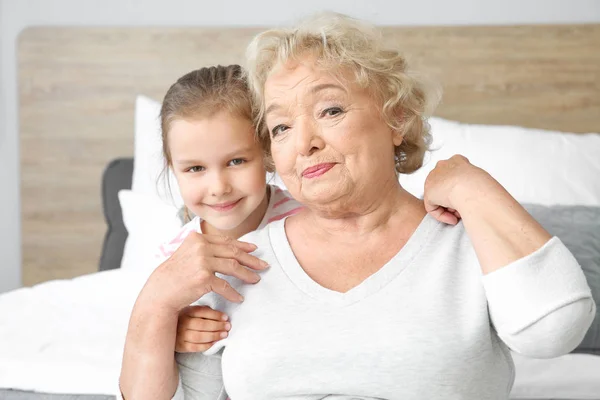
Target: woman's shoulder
{"x":440,"y":238}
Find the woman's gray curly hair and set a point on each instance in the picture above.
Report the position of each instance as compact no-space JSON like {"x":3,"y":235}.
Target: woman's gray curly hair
{"x":338,"y":41}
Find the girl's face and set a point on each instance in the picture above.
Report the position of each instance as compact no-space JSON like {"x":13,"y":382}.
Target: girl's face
{"x":220,"y":171}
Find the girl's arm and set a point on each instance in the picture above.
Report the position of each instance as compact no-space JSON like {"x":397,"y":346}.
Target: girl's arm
{"x":149,"y":370}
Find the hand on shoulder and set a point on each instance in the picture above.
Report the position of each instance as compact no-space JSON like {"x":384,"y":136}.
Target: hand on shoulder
{"x":190,"y":272}
{"x":452,"y":184}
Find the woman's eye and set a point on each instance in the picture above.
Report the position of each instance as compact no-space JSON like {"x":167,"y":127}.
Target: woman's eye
{"x":331,"y":112}
{"x":279,"y":129}
{"x":236,"y":161}
{"x":196,"y":168}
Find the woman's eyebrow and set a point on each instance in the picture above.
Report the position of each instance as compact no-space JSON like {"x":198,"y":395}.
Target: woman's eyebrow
{"x":313,"y":90}
{"x":324,"y":86}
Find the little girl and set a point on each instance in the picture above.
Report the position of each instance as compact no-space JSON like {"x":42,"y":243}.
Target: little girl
{"x":209,"y":143}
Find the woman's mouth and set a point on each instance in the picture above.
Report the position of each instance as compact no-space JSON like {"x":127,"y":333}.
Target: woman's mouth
{"x":317,"y":170}
{"x":222,"y":207}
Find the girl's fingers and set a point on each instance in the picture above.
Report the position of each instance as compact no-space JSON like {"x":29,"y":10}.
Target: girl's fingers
{"x":196,"y":337}
{"x":231,"y":251}
{"x":204,"y":325}
{"x":223,"y":240}
{"x":231,"y":267}
{"x":186,"y":347}
{"x":205,"y":312}
{"x":223,"y":288}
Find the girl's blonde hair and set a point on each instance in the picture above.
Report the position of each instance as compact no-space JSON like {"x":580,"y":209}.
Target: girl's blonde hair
{"x":340,"y":42}
{"x":201,"y":94}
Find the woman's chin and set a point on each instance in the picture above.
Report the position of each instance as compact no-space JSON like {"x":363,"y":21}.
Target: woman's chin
{"x":321,"y":196}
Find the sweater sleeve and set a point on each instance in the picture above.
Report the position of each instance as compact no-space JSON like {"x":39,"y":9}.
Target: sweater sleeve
{"x":200,"y":374}
{"x":200,"y":377}
{"x":541,"y":305}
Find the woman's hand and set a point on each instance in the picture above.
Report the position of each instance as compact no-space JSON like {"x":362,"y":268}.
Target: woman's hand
{"x":190,"y":272}
{"x":199,"y":327}
{"x":449,"y":183}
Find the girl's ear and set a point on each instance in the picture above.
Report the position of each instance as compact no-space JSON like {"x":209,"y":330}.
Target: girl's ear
{"x":184,"y":215}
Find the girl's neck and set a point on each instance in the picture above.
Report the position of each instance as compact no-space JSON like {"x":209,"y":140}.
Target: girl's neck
{"x":248,"y":225}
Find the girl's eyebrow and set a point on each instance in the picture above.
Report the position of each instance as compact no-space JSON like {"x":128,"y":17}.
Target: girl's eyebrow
{"x":242,"y":150}
{"x":184,"y":162}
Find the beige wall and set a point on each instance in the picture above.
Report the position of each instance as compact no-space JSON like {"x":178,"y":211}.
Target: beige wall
{"x":15,"y":15}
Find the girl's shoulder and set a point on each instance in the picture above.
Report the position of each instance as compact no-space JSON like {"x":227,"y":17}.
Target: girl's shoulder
{"x":169,"y":247}
{"x":281,"y":205}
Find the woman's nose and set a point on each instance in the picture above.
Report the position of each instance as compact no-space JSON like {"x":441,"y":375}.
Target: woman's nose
{"x":308,"y":137}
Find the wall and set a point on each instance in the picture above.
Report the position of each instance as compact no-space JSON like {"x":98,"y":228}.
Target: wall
{"x":16,"y":15}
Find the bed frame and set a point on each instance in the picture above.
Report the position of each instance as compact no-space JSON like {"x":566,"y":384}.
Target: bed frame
{"x":77,"y":87}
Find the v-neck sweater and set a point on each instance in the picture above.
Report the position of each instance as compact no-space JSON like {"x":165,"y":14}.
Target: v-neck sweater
{"x":427,"y":325}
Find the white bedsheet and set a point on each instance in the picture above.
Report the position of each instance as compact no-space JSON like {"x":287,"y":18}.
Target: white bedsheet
{"x":572,"y":376}
{"x":67,"y":337}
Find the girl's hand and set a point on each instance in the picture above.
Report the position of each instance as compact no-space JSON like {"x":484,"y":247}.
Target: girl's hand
{"x":199,"y":327}
{"x":190,"y":272}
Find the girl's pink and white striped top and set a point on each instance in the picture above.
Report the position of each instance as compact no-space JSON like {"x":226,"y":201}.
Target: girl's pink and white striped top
{"x":281,"y":205}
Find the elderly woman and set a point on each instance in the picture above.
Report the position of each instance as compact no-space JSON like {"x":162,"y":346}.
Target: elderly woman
{"x":370,"y":293}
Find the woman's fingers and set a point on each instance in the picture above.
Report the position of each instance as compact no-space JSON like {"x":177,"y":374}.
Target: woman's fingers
{"x":443,"y":215}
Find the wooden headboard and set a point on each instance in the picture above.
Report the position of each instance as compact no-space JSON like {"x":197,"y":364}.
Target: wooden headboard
{"x":77,"y":88}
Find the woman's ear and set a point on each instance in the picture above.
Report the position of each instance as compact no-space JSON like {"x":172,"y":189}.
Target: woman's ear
{"x":398,"y":137}
{"x":398,"y":133}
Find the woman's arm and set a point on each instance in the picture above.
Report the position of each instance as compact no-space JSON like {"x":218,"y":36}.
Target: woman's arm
{"x":499,"y":228}
{"x":541,"y":305}
{"x":538,"y":297}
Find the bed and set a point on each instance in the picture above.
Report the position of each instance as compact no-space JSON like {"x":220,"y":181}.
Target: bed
{"x":82,"y":147}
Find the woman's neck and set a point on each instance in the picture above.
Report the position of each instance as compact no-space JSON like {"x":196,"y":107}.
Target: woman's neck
{"x":372,"y":213}
{"x":248,"y":225}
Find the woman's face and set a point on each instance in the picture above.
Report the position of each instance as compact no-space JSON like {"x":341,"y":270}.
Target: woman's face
{"x":329,"y":141}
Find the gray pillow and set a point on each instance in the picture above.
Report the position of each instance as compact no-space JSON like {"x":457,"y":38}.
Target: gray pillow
{"x":578,"y":227}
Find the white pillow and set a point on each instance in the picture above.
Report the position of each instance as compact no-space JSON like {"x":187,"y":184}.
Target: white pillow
{"x":535,"y":166}
{"x":148,"y":160}
{"x":149,"y":222}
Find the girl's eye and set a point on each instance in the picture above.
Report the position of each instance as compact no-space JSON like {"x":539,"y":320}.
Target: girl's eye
{"x":331,"y":112}
{"x":279,"y":129}
{"x":196,"y":168}
{"x":236,"y":161}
